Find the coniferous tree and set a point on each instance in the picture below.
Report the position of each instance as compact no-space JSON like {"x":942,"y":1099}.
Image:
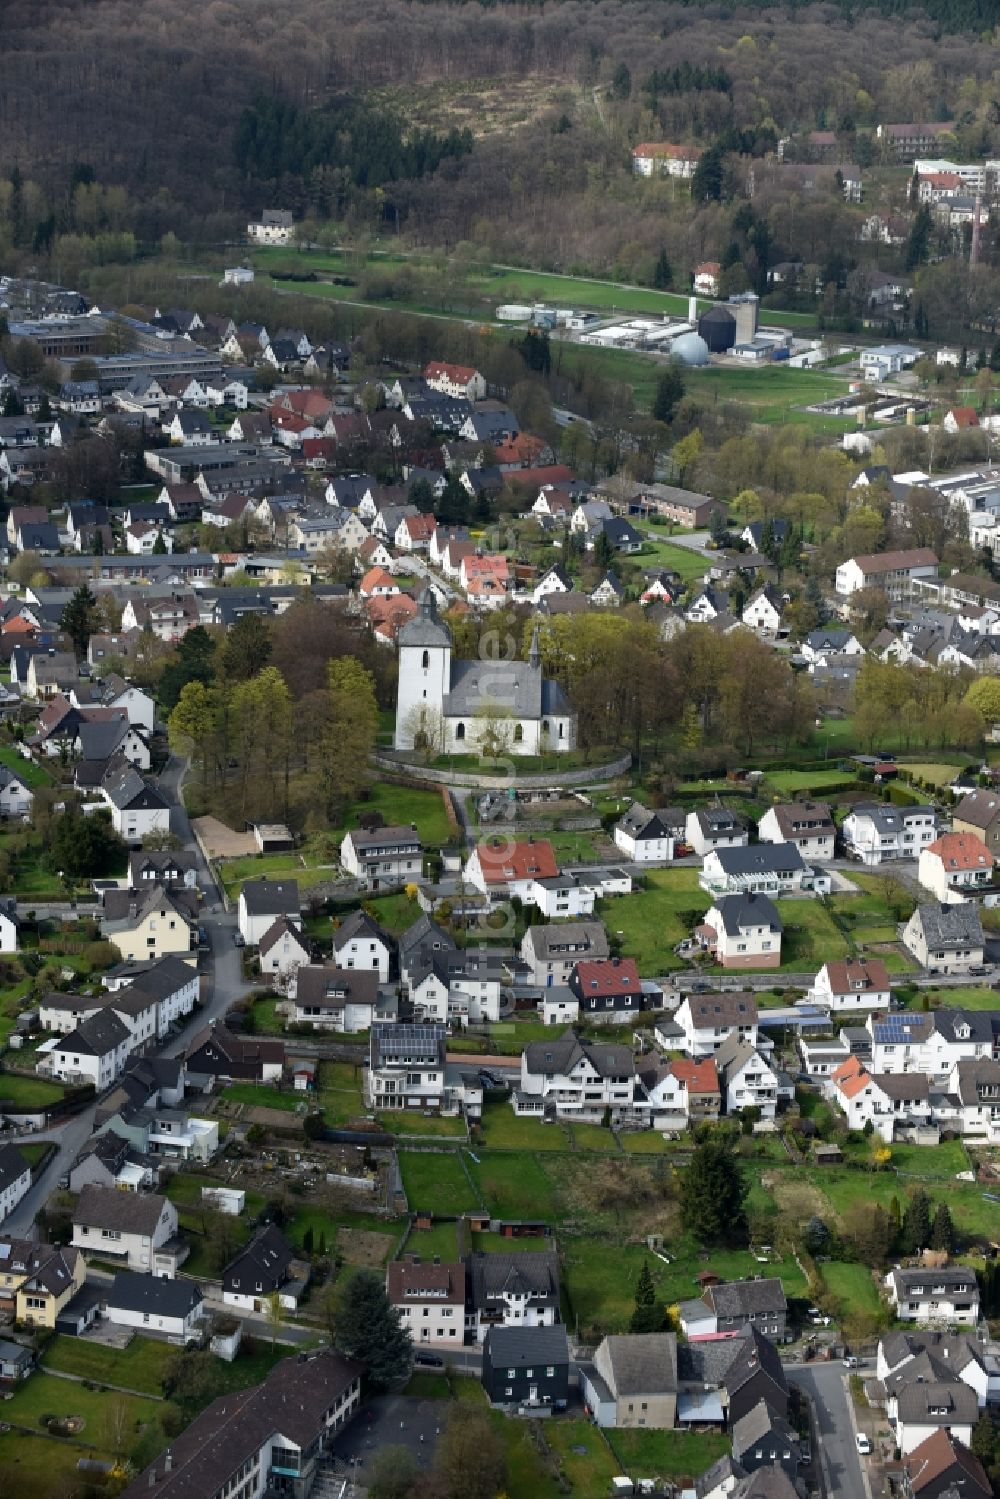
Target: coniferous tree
{"x":368,"y":1328}
{"x":943,"y":1229}
{"x":663,"y":271}
{"x":713,"y":1196}
{"x":648,"y":1315}
{"x":916,"y":1233}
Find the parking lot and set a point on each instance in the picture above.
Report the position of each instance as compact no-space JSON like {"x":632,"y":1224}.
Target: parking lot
{"x":390,"y":1421}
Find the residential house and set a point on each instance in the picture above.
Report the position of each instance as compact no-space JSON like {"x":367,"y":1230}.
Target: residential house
{"x":262,"y":902}
{"x":649,"y":837}
{"x":219,"y":1055}
{"x":455,"y":986}
{"x":632,"y":1381}
{"x":746,"y":1079}
{"x":876,"y":832}
{"x":15,"y":1179}
{"x":108,"y":1160}
{"x":552,"y":952}
{"x":735,"y":1306}
{"x":892,"y":572}
{"x":607,"y":989}
{"x":38,"y":1280}
{"x":947,"y":1295}
{"x":660,"y":159}
{"x":456,"y":380}
{"x":570,"y":1078}
{"x":152,"y":866}
{"x":15,"y":795}
{"x":715,"y":827}
{"x":282,"y":951}
{"x":847,"y":984}
{"x":808,"y":825}
{"x":942,"y":1465}
{"x":139,"y":1228}
{"x":501,"y":868}
{"x":150,"y":923}
{"x":762,"y":611}
{"x":744,"y":931}
{"x":429,"y":1298}
{"x":407,"y":1069}
{"x":259,"y":1271}
{"x":945,"y":938}
{"x":95,"y":1052}
{"x":707,"y":1020}
{"x":138,"y":808}
{"x":9,"y":924}
{"x":384,"y":857}
{"x":955,"y":866}
{"x":148,"y":1303}
{"x":763,"y":868}
{"x":928,"y":1354}
{"x":334,"y":998}
{"x":273,"y":1436}
{"x":763,"y":1439}
{"x":918,"y":1410}
{"x":979,"y":814}
{"x":512,"y":1290}
{"x":526,"y":1367}
{"x":706,"y":278}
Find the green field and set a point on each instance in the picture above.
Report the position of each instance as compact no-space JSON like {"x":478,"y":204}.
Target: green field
{"x":46,"y":1395}
{"x":667,"y":1454}
{"x":442,"y":1126}
{"x":38,"y":1467}
{"x":435,"y":1183}
{"x":518,"y":1185}
{"x":262,"y":1097}
{"x":502,"y":1129}
{"x":28,"y":1092}
{"x":959,"y":997}
{"x":818,"y":782}
{"x":773,"y":390}
{"x":689,"y":565}
{"x":649,"y":919}
{"x":140,"y":1366}
{"x":851,"y":1286}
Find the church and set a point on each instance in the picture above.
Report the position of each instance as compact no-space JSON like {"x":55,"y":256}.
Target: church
{"x":451,"y":704}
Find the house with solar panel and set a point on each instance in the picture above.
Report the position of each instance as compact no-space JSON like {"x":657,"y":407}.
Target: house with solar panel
{"x":408,"y":1068}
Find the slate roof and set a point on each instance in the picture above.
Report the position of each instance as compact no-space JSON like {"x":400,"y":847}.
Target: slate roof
{"x":324,"y":985}
{"x":96,"y":1036}
{"x":642,"y":1363}
{"x":271,"y":897}
{"x":560,"y":1055}
{"x":712,"y":1011}
{"x":495,"y":1275}
{"x":565,"y":937}
{"x":980,"y":809}
{"x":12,"y":1166}
{"x":740,"y":911}
{"x":950,"y":926}
{"x":517,"y":1347}
{"x":132,"y":1292}
{"x":128,"y":1212}
{"x":264,"y":1261}
{"x":760,"y":858}
{"x":952,"y":1404}
{"x":757,"y":1424}
{"x":745,"y":1298}
{"x":292,"y":1402}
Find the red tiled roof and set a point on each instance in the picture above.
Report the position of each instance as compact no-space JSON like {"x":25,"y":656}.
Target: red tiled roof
{"x":608,"y":976}
{"x":961,"y":851}
{"x":501,"y":861}
{"x":697,"y":1077}
{"x":846,"y":974}
{"x":674,"y":153}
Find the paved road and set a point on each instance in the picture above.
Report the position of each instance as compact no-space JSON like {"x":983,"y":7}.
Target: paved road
{"x":223,"y":987}
{"x":826,"y":1386}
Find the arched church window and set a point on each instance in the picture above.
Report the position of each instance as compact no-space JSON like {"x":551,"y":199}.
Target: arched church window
{"x":426,"y":661}
{"x":460,"y":731}
{"x":519,"y":733}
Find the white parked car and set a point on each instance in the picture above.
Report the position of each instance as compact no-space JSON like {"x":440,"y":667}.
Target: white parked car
{"x":864,"y":1445}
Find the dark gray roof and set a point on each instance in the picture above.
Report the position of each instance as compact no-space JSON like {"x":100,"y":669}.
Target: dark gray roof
{"x":150,"y":1293}
{"x":359,"y":924}
{"x":520,"y":1346}
{"x":517,"y":686}
{"x":12,"y":1166}
{"x":424,"y":932}
{"x":938,"y":1404}
{"x":760,"y":858}
{"x":532,"y":1274}
{"x":719,"y":820}
{"x":586,"y":938}
{"x":950,"y":926}
{"x":332,"y":988}
{"x":425,"y":628}
{"x":740,"y":911}
{"x":743,"y":1298}
{"x":958,"y":1348}
{"x":128,"y":789}
{"x":918,"y":1284}
{"x":639,"y":822}
{"x":271,"y":897}
{"x":97,"y":1035}
{"x":264,"y":1261}
{"x":563,"y":1053}
{"x":757,"y":1424}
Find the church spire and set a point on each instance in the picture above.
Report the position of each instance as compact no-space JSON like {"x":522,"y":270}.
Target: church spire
{"x":535,"y":654}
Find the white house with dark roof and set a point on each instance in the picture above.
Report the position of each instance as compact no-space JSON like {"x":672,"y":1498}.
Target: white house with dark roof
{"x":744,"y":931}
{"x":876,"y":832}
{"x":138,"y":808}
{"x":553,"y":951}
{"x":648,"y":837}
{"x":944,"y":1296}
{"x":946,"y":938}
{"x":715,"y":827}
{"x":15,"y":795}
{"x":707,"y":1020}
{"x":761,"y":868}
{"x":148,"y":1303}
{"x":283,"y":950}
{"x":262,"y":902}
{"x":429,"y":1298}
{"x":15,"y":1179}
{"x":95,"y":1052}
{"x":747,"y":1081}
{"x":569,"y":1078}
{"x":131,"y":1227}
{"x":383,"y":857}
{"x":359,"y":942}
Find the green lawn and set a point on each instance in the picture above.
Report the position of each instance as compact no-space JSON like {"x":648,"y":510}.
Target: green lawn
{"x":502,"y":1129}
{"x":644,"y":1142}
{"x":593,"y":1137}
{"x":46,"y":1395}
{"x":393,"y":912}
{"x":403,"y":1124}
{"x":852,"y":1286}
{"x":517,"y":1185}
{"x":435,"y":1183}
{"x":933,"y":771}
{"x":818,"y":782}
{"x":650,"y":921}
{"x":401,"y":805}
{"x":690,"y":566}
{"x":338,"y":1091}
{"x":581,"y":847}
{"x":140,"y":1366}
{"x":184,"y":1190}
{"x":678,"y":1455}
{"x":441,"y":1240}
{"x":959,"y":997}
{"x":811,"y":936}
{"x":38,"y":1467}
{"x":28,"y":1092}
{"x":262,"y":1097}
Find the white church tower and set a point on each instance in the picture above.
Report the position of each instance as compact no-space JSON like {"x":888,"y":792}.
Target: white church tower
{"x":424,"y":672}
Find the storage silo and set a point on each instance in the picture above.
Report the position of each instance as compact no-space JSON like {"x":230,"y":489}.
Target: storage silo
{"x":717,"y":327}
{"x":745,"y":307}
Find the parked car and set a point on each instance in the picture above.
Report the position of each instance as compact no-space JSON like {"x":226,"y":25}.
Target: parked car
{"x":850,"y":1362}
{"x":863,"y":1443}
{"x":239,"y":940}
{"x":429,"y":1360}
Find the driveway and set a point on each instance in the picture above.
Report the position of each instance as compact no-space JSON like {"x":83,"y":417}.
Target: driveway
{"x":826,"y":1386}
